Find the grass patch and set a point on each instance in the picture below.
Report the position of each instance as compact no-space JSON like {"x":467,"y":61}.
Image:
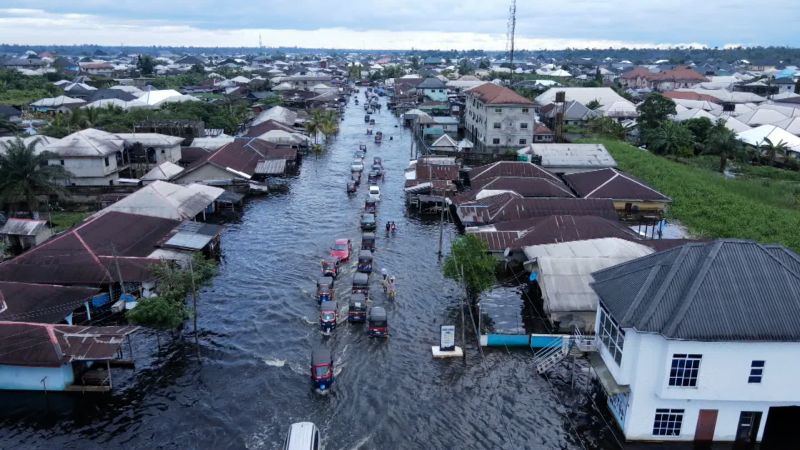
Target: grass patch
{"x":62,"y":220}
{"x":761,"y":205}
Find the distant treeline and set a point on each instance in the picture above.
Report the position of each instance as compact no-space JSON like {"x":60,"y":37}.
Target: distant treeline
{"x":756,"y":55}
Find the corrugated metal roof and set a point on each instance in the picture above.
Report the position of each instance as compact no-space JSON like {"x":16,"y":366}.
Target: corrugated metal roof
{"x":46,"y":345}
{"x":557,"y":156}
{"x":271,"y":167}
{"x":191,"y":241}
{"x":44,"y":303}
{"x":23,"y":227}
{"x":567,"y":228}
{"x":510,"y":169}
{"x":613,"y":184}
{"x":725,"y":290}
{"x":497,"y":241}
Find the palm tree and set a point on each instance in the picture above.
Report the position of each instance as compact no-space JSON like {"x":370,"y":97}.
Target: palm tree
{"x":313,"y":124}
{"x":24,"y":174}
{"x":670,"y":138}
{"x":772,"y":150}
{"x":7,"y":126}
{"x":329,"y":124}
{"x":722,"y":141}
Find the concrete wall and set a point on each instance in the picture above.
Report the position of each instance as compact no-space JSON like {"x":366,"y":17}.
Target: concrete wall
{"x":481,"y":117}
{"x":203,"y":173}
{"x":89,"y":171}
{"x":722,"y":382}
{"x":30,"y":378}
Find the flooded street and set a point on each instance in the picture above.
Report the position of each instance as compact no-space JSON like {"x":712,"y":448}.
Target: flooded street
{"x":259,"y":320}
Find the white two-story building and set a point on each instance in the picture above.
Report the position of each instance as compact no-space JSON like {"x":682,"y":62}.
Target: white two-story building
{"x":498,"y":119}
{"x":702,"y":343}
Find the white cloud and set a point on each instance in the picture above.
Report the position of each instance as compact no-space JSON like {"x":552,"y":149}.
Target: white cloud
{"x":37,"y":27}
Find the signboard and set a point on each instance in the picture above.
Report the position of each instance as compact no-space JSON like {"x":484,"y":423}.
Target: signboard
{"x":447,"y":340}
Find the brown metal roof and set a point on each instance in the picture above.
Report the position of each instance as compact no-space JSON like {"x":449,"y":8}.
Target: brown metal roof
{"x":437,"y":172}
{"x":40,"y":302}
{"x":507,"y":206}
{"x":493,"y":94}
{"x":48,"y":345}
{"x":266,"y":126}
{"x":510,"y":169}
{"x":613,"y":184}
{"x":555,"y":229}
{"x":497,"y":241}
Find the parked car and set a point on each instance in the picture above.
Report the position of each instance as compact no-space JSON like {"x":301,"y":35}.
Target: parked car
{"x":375,"y":193}
{"x":342,"y":248}
{"x":302,"y":436}
{"x":368,"y":222}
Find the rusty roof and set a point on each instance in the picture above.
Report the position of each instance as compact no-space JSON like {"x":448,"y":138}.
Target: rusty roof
{"x":48,"y":345}
{"x":496,"y":241}
{"x":510,"y":169}
{"x":511,"y":206}
{"x":493,"y":94}
{"x":565,"y":228}
{"x":613,"y":184}
{"x":40,"y":302}
{"x":437,"y":171}
{"x":269,"y":125}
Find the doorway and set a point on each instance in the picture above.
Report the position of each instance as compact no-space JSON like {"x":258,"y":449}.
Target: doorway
{"x":781,"y":429}
{"x":706,"y":424}
{"x":749,"y":424}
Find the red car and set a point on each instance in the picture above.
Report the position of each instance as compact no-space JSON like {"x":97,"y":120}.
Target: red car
{"x":341,"y":249}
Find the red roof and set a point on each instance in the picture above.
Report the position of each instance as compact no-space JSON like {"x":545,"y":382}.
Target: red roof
{"x":437,"y":172}
{"x":637,"y":72}
{"x":269,"y":125}
{"x":678,"y":74}
{"x":243,"y":155}
{"x":40,"y":302}
{"x":680,"y":95}
{"x":493,"y":94}
{"x":566,"y":228}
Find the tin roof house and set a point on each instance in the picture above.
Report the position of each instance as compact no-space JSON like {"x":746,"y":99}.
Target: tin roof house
{"x":702,"y":343}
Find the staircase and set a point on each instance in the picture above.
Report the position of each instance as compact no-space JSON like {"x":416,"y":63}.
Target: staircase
{"x":548,"y":357}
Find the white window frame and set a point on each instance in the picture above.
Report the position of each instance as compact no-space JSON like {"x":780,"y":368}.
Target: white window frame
{"x":611,"y":336}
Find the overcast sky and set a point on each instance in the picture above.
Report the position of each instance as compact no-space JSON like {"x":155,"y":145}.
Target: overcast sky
{"x":401,"y":24}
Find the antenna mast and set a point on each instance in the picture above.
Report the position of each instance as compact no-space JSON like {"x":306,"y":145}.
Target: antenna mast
{"x":512,"y":28}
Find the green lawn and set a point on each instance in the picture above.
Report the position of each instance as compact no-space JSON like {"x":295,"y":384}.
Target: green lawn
{"x":762,"y":204}
{"x":64,"y":220}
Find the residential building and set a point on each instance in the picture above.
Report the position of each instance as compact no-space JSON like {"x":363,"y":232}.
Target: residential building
{"x":497,"y":119}
{"x":21,"y":234}
{"x":569,"y":158}
{"x":92,"y":157}
{"x":702,"y":342}
{"x":632,"y":198}
{"x":432,"y":89}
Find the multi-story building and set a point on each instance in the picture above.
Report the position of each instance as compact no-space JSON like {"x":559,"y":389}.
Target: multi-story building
{"x":702,"y":343}
{"x":498,"y":119}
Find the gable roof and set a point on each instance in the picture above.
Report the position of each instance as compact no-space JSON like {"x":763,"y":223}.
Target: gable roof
{"x":524,"y":186}
{"x":510,"y":169}
{"x":493,"y":94}
{"x":613,"y":184}
{"x":444,"y":141}
{"x":568,"y":228}
{"x":167,"y":200}
{"x":48,"y":345}
{"x":511,"y":206}
{"x":40,"y":302}
{"x":87,"y":143}
{"x":724,"y":290}
{"x":432,"y":83}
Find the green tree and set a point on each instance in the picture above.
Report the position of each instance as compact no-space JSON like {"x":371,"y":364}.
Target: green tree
{"x":670,"y":139}
{"x":654,"y":111}
{"x":145,"y":64}
{"x":7,"y":127}
{"x":25,"y":174}
{"x":606,"y":127}
{"x":594,"y":104}
{"x":167,"y":311}
{"x":700,"y":128}
{"x":771,"y":150}
{"x":721,"y":141}
{"x":470,"y":256}
{"x":314,"y":123}
{"x":465,"y":67}
{"x":415,"y":63}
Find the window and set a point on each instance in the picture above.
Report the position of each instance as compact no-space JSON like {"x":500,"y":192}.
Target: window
{"x":496,"y":141}
{"x":523,"y":125}
{"x":496,"y":125}
{"x":684,"y":370}
{"x":611,"y":336}
{"x":524,"y":110}
{"x":668,"y":422}
{"x":106,"y":160}
{"x":497,"y":110}
{"x":62,"y":162}
{"x":523,"y":141}
{"x":756,"y":372}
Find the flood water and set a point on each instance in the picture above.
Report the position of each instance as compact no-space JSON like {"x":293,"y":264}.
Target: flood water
{"x":258,"y":322}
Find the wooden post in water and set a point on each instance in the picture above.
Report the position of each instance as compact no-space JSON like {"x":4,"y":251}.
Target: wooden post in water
{"x":194,"y":301}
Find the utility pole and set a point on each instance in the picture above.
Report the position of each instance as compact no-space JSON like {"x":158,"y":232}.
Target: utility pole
{"x":463,"y":319}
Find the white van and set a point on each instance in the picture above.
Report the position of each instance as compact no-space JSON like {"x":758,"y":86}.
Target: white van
{"x":302,"y":436}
